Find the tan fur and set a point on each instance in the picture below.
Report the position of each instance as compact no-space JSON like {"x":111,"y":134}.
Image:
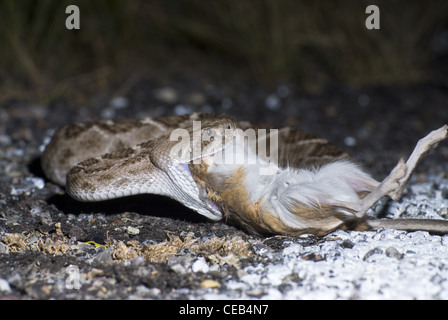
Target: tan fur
{"x":234,"y":200}
{"x":109,"y":159}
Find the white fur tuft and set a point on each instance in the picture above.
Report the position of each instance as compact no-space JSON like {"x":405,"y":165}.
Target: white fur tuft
{"x":334,"y":184}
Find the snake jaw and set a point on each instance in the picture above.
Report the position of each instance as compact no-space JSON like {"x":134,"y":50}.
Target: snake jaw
{"x":217,"y":141}
{"x":201,"y":203}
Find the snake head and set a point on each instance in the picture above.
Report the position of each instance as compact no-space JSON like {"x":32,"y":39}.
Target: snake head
{"x":202,"y":140}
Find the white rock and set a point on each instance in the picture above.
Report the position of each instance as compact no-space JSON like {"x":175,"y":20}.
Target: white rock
{"x":4,"y":286}
{"x":119,"y":102}
{"x":166,"y":94}
{"x":272,"y":102}
{"x":133,"y":231}
{"x":200,"y":265}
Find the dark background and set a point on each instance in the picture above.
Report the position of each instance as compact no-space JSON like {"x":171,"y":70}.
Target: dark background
{"x":308,"y":64}
{"x":310,"y":44}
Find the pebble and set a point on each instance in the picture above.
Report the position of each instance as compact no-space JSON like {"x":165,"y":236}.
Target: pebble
{"x":181,"y":110}
{"x":363,"y":100}
{"x":3,"y":248}
{"x":195,"y":98}
{"x":283,"y":91}
{"x":104,"y":257}
{"x":350,"y":141}
{"x":226,"y":104}
{"x":119,"y":102}
{"x":4,"y":286}
{"x":272,"y":102}
{"x":200,"y":265}
{"x":392,"y":252}
{"x":133,"y":231}
{"x":208,"y":283}
{"x":180,"y":264}
{"x":28,"y":185}
{"x":166,"y":94}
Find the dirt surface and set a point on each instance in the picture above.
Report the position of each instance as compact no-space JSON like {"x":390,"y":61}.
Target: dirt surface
{"x":53,"y":247}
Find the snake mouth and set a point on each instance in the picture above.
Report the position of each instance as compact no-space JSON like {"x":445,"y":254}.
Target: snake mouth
{"x":207,"y":208}
{"x":224,"y":158}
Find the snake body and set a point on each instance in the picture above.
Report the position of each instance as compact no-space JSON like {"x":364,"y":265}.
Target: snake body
{"x":311,"y":187}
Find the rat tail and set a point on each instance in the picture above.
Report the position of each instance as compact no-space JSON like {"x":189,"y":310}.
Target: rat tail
{"x":431,"y":225}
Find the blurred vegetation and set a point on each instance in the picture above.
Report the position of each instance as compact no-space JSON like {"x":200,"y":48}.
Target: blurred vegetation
{"x":310,"y":43}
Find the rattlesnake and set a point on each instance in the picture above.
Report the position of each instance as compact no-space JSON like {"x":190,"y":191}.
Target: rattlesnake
{"x":310,"y":186}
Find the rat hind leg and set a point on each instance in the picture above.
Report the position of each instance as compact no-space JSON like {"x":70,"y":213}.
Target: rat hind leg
{"x":423,"y":146}
{"x":389,"y":185}
{"x":394,"y":184}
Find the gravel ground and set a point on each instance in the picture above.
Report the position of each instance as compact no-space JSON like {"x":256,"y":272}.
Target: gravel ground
{"x":147,"y":247}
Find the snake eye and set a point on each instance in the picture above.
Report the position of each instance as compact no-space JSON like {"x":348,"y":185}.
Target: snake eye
{"x":209,"y":134}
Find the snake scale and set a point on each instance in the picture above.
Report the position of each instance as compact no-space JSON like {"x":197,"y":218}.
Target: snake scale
{"x":213,"y":164}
